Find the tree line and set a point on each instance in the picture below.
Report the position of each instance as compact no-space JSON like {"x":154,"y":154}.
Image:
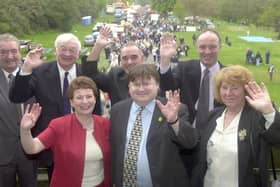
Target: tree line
{"x":258,"y":12}
{"x":30,"y":16}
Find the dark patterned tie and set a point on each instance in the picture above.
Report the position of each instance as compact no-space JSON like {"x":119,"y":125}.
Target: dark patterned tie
{"x":67,"y":107}
{"x":130,"y":162}
{"x":203,"y":103}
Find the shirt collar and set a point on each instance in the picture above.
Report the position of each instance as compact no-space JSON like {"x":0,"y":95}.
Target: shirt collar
{"x":149,"y":107}
{"x":7,"y":74}
{"x":72,"y":71}
{"x":214,"y":68}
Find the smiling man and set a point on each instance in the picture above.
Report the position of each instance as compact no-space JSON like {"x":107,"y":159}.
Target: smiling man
{"x":145,"y":134}
{"x":14,"y":163}
{"x":47,"y":82}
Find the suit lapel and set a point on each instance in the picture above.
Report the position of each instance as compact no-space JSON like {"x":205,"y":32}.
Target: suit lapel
{"x":3,"y":86}
{"x":52,"y":74}
{"x":123,"y":118}
{"x":244,"y":147}
{"x":8,"y":110}
{"x":156,"y":124}
{"x":78,"y":70}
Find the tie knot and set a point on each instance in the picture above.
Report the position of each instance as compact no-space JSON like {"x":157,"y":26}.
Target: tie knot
{"x":206,"y":71}
{"x":10,"y":76}
{"x":141,"y":108}
{"x":66,"y":74}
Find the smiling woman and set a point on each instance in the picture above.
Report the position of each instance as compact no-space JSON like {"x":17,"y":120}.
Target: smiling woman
{"x":79,"y":141}
{"x":239,"y":134}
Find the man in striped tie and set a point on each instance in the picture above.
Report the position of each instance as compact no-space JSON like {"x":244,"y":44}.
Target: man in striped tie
{"x":145,"y":133}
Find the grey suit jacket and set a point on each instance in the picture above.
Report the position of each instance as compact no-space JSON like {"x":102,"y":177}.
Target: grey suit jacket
{"x":166,"y":166}
{"x":9,"y":124}
{"x":257,"y":140}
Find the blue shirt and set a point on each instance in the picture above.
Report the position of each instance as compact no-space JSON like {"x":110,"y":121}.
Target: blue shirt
{"x":143,"y":170}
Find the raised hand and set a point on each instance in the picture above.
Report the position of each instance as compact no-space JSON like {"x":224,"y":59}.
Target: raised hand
{"x":171,"y":108}
{"x":167,"y":47}
{"x":102,"y":41}
{"x":30,"y":116}
{"x":103,"y":38}
{"x":33,"y":59}
{"x":258,"y":97}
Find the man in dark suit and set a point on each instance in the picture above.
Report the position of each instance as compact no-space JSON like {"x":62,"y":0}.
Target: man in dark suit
{"x":14,"y":163}
{"x":187,"y":76}
{"x":114,"y":82}
{"x":165,"y":128}
{"x":45,"y":82}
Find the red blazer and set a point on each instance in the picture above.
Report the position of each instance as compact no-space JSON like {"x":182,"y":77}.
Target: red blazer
{"x":66,"y":138}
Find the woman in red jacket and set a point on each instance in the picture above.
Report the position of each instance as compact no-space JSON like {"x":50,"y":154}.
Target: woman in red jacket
{"x":79,"y":141}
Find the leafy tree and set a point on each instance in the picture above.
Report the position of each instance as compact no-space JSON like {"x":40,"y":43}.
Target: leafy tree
{"x":271,"y":15}
{"x":163,"y":6}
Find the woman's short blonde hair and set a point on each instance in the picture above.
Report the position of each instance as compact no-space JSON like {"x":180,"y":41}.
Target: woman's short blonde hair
{"x":234,"y":74}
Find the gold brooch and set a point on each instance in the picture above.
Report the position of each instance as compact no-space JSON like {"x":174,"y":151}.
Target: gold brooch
{"x":242,"y":134}
{"x":160,"y":119}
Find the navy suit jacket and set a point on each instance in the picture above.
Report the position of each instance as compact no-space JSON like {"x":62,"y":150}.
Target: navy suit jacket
{"x":185,"y":77}
{"x":257,"y":140}
{"x":115,"y":82}
{"x":166,"y":166}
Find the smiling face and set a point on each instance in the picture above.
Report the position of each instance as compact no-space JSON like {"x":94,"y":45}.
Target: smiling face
{"x":83,"y":101}
{"x":67,"y":53}
{"x":232,"y":95}
{"x":9,"y":55}
{"x":143,"y":91}
{"x":208,"y":46}
{"x":130,"y":56}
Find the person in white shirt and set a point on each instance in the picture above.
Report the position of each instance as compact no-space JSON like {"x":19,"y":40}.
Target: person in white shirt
{"x":235,"y":146}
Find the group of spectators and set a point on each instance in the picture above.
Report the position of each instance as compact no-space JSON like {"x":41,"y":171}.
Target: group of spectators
{"x":199,"y":124}
{"x":146,"y":33}
{"x":256,"y":59}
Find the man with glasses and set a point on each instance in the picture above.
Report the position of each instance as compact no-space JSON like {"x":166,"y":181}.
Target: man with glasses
{"x":48,"y":82}
{"x":114,"y":82}
{"x":147,"y":133}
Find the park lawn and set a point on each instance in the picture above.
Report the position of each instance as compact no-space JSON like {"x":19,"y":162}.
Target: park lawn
{"x":234,"y":54}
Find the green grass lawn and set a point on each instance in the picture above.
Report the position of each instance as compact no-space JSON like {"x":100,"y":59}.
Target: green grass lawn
{"x":229,"y":55}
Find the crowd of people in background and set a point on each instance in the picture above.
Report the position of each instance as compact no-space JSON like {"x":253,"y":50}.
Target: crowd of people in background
{"x":257,"y":59}
{"x":195,"y":124}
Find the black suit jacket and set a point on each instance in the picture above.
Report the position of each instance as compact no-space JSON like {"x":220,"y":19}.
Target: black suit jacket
{"x":115,"y":82}
{"x":166,"y":166}
{"x":257,"y":140}
{"x":44,"y":85}
{"x":185,"y":77}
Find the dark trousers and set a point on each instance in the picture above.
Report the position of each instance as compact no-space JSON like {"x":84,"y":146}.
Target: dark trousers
{"x":20,"y":167}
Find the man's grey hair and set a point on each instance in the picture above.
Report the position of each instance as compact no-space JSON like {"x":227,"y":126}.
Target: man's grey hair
{"x":65,"y":37}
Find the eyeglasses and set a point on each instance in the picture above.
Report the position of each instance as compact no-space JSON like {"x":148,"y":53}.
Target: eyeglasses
{"x":131,"y":57}
{"x":4,"y":52}
{"x":141,"y":84}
